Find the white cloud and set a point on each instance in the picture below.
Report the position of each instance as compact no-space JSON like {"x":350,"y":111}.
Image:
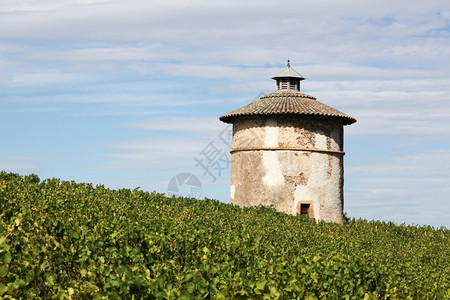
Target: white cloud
{"x":157,"y":153}
{"x":96,"y":54}
{"x":203,"y":126}
{"x":47,"y":77}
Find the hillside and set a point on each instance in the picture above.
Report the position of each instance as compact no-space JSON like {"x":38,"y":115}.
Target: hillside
{"x":62,"y":239}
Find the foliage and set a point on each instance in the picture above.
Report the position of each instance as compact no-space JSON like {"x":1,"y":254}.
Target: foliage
{"x":68,"y":240}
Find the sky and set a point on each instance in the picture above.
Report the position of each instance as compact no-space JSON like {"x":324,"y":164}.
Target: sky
{"x":128,"y":93}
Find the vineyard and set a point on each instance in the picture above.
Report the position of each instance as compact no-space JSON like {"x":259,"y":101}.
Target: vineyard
{"x":69,"y":240}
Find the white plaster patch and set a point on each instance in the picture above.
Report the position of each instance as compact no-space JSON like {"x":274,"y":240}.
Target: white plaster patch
{"x":321,"y":140}
{"x":232,"y":191}
{"x":270,"y":158}
{"x":303,"y":193}
{"x":271,"y":134}
{"x":319,"y":164}
{"x":273,"y":171}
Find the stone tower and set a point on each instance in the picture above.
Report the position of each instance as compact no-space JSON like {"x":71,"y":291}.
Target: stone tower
{"x":287,"y":152}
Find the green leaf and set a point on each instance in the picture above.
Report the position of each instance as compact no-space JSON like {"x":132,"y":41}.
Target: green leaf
{"x":184,"y":297}
{"x":260,"y":285}
{"x":113,"y":296}
{"x":3,"y":289}
{"x":18,"y":282}
{"x":113,"y":280}
{"x":3,"y":270}
{"x":83,"y":272}
{"x":7,"y":257}
{"x":190,"y":287}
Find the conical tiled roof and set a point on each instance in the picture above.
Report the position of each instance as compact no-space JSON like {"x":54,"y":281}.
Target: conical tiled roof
{"x":287,"y":102}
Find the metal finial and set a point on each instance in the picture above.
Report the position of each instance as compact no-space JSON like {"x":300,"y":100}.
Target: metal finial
{"x":288,"y":64}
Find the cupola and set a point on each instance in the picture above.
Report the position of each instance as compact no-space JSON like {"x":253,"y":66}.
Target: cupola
{"x":288,"y":79}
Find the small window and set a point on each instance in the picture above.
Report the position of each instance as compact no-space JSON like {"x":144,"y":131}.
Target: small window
{"x":305,"y":208}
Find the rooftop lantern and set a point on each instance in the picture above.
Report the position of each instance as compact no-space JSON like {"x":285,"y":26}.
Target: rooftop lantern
{"x":288,"y":79}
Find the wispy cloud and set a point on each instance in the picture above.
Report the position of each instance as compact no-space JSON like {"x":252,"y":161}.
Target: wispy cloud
{"x":20,"y":164}
{"x":152,"y":154}
{"x":202,"y":126}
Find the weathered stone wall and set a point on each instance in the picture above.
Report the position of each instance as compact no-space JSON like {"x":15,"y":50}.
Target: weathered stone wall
{"x":283,"y":161}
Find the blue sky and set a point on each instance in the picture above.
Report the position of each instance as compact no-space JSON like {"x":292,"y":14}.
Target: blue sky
{"x":128,"y":93}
